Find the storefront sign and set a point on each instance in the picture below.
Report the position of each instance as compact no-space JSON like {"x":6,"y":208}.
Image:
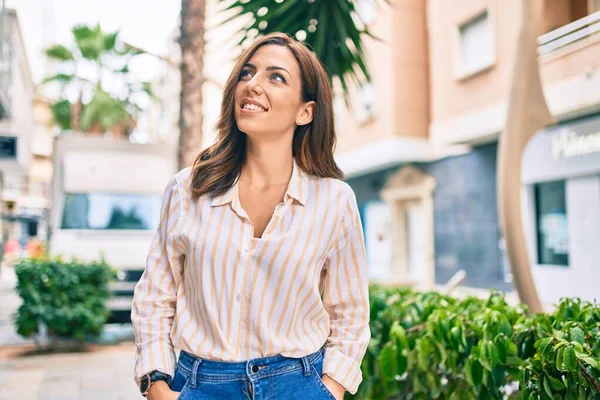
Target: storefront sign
{"x":567,"y":143}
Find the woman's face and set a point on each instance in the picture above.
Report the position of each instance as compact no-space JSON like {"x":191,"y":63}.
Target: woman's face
{"x":268,"y":101}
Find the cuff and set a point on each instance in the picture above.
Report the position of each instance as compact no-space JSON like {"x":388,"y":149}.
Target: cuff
{"x":342,"y":369}
{"x":162,"y":360}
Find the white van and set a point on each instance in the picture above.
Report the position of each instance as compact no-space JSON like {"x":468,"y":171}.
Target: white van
{"x":106,"y":203}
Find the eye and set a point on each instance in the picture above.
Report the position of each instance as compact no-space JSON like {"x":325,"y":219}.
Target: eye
{"x":278,"y":76}
{"x":245,"y":73}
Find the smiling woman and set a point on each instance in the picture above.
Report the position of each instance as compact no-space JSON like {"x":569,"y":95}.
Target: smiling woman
{"x":258,"y":270}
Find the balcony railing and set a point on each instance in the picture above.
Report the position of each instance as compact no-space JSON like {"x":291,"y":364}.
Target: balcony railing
{"x":569,"y":34}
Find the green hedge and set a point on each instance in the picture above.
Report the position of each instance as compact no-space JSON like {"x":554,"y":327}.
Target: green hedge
{"x":431,"y":346}
{"x":69,"y":298}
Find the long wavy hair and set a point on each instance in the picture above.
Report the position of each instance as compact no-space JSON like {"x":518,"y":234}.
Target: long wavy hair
{"x":217,"y":168}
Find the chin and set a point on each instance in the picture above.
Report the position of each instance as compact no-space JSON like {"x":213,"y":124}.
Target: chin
{"x":252,"y":131}
{"x":252,"y":128}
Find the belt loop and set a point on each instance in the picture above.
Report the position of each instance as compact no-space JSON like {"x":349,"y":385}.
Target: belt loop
{"x":195,"y":366}
{"x":306,"y":365}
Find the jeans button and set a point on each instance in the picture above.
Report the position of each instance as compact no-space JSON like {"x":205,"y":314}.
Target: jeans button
{"x":255,"y":368}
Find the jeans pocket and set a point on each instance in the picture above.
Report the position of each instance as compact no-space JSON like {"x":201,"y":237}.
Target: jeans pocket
{"x":184,"y":390}
{"x":181,"y":383}
{"x":321,"y":384}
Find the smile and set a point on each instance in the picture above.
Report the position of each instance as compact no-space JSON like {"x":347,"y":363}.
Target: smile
{"x":253,"y":107}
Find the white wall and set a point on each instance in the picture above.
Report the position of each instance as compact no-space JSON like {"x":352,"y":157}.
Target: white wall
{"x":582,"y":277}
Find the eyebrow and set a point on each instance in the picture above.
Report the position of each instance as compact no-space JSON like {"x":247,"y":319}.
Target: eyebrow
{"x":270,"y":68}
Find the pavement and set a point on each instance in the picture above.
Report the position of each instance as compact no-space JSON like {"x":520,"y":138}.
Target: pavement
{"x":102,"y":370}
{"x":102,"y":373}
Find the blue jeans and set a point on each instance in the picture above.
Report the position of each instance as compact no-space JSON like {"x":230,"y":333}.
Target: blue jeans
{"x":269,"y":378}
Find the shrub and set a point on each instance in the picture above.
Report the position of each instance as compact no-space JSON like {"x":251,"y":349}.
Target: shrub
{"x":432,"y":346}
{"x":68,"y":298}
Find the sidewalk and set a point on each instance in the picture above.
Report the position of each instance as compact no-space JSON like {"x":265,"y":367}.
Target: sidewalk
{"x":106,"y":373}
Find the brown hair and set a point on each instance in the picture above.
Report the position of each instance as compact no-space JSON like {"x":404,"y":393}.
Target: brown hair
{"x":216,"y":168}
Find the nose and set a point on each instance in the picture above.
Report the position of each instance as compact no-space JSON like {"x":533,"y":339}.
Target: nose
{"x":253,"y":85}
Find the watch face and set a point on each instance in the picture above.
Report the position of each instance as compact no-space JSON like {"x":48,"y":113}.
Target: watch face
{"x":144,"y":384}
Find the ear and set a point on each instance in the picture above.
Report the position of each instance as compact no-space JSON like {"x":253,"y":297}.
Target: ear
{"x":306,"y":113}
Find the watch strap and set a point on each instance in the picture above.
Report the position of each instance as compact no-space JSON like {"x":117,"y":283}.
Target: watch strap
{"x":152,"y":377}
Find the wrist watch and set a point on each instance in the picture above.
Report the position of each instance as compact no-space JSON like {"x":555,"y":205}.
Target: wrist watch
{"x":147,"y":380}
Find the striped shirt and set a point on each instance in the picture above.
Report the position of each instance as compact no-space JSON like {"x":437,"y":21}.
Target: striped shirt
{"x":212,"y":289}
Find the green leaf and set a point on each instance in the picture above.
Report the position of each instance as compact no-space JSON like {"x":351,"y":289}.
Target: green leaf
{"x":474,"y":372}
{"x":559,"y":360}
{"x":402,"y":362}
{"x":62,"y":78}
{"x":387,"y":361}
{"x":110,"y":41}
{"x":577,"y":335}
{"x":59,"y":52}
{"x":555,"y":384}
{"x":569,"y":359}
{"x":547,"y":387}
{"x":594,"y":362}
{"x":542,"y":343}
{"x":502,"y":347}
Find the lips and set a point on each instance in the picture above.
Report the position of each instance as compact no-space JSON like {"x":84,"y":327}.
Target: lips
{"x":252,"y":105}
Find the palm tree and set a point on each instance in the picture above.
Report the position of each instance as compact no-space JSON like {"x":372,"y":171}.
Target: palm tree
{"x":328,"y":26}
{"x":192,"y":46}
{"x":103,"y":110}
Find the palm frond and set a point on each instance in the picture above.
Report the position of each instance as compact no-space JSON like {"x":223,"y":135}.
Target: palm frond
{"x":59,"y":52}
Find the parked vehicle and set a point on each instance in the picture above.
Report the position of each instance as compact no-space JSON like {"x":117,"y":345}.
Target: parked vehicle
{"x":106,"y":201}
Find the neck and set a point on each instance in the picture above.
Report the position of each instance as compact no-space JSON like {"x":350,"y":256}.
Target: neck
{"x":267,"y":164}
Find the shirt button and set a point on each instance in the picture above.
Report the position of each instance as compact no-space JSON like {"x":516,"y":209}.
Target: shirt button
{"x":238,"y":297}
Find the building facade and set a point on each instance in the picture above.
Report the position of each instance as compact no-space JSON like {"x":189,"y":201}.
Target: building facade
{"x":423,"y":163}
{"x":24,"y":144}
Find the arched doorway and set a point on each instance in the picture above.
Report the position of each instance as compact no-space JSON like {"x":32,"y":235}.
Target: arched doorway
{"x":409,"y":195}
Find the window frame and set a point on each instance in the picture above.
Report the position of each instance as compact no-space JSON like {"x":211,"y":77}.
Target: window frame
{"x":460,"y":71}
{"x":538,"y":233}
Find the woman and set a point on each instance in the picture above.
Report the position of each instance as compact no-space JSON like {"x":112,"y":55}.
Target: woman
{"x":258,"y":269}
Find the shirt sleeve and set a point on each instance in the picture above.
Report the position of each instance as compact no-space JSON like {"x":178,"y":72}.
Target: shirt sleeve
{"x":154,"y":298}
{"x":346,"y":299}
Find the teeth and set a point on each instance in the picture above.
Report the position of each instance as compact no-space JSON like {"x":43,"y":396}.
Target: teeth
{"x":252,"y":107}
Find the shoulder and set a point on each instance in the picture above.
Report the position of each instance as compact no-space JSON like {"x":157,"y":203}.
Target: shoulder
{"x":180,"y":181}
{"x":177,"y":188}
{"x":339,"y":190}
{"x":183,"y":176}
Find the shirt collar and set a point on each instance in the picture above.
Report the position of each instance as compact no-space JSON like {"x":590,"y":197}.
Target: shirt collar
{"x":226,"y":197}
{"x":298,"y":186}
{"x":297,"y":189}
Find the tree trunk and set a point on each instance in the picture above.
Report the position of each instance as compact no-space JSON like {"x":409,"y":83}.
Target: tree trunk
{"x":527,"y":113}
{"x":192,"y":43}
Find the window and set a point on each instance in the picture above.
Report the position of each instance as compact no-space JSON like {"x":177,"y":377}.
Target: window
{"x":111,"y":211}
{"x":552,"y":223}
{"x":476,"y":45}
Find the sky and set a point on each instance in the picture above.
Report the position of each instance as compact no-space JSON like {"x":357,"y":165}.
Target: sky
{"x":143,"y":23}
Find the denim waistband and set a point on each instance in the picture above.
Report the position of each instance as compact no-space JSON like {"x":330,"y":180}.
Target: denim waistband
{"x":192,"y":366}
